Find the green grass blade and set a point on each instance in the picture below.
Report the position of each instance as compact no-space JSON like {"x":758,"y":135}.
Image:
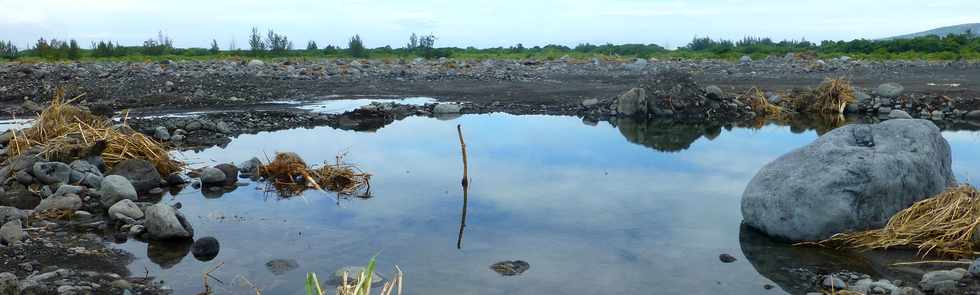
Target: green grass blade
{"x":364,"y":284}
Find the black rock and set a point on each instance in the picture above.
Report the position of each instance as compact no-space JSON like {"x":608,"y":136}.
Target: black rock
{"x":205,"y":249}
{"x":510,"y":268}
{"x":726,"y":258}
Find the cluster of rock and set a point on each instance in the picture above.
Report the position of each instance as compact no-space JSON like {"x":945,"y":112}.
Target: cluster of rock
{"x":890,"y":100}
{"x":951,"y":282}
{"x":674,"y":94}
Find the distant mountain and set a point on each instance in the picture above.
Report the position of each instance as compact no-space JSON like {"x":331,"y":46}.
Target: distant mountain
{"x":943,"y":31}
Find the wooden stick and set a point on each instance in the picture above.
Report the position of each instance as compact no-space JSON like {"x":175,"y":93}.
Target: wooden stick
{"x":466,"y":184}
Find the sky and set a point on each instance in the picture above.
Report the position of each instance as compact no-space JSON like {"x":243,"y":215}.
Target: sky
{"x":477,"y":23}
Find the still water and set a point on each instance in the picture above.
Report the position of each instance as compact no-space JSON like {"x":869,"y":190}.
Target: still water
{"x":593,"y":208}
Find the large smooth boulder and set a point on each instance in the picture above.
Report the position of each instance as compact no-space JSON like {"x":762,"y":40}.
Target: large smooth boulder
{"x":211,"y":175}
{"x":115,"y":188}
{"x":447,"y":108}
{"x":141,"y":173}
{"x":632,"y":103}
{"x":164,"y":222}
{"x":230,"y":171}
{"x":852,"y":178}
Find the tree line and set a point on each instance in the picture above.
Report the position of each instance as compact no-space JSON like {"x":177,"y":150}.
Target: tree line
{"x":273,"y":44}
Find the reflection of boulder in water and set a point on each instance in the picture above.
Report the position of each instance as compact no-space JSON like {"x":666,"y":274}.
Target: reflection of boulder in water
{"x":217,"y":191}
{"x":447,"y":116}
{"x":796,"y":269}
{"x":166,"y":254}
{"x":664,"y":135}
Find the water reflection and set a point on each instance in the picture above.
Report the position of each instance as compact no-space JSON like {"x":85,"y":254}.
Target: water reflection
{"x":167,"y":254}
{"x":594,"y":212}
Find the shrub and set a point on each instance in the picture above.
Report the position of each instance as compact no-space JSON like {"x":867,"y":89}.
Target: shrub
{"x":255,"y":41}
{"x":214,"y":47}
{"x":278,"y":43}
{"x":160,"y":46}
{"x":311,"y":45}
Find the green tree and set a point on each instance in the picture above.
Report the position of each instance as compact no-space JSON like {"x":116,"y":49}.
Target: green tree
{"x":214,"y":47}
{"x":74,"y":53}
{"x":311,"y":45}
{"x":356,"y":47}
{"x":8,"y":50}
{"x":255,"y":42}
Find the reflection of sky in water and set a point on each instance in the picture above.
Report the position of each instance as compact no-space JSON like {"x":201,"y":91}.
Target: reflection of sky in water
{"x":14,"y":124}
{"x":591,"y":212}
{"x":338,"y":106}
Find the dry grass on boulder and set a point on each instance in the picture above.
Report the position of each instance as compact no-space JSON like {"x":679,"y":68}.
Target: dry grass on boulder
{"x":759,"y":103}
{"x":64,"y":131}
{"x":832,"y":96}
{"x":291,"y":176}
{"x":944,"y":224}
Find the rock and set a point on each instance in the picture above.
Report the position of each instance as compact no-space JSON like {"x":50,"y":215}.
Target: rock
{"x":205,"y":249}
{"x":714,"y":92}
{"x":940,"y":279}
{"x":115,"y":188}
{"x":510,"y":268}
{"x":590,"y":102}
{"x":862,"y":98}
{"x":12,"y":232}
{"x":230,"y":171}
{"x":836,"y":185}
{"x":447,"y":108}
{"x":250,"y":167}
{"x":889,"y":90}
{"x":161,"y":133}
{"x":937,"y":114}
{"x":637,"y":65}
{"x":281,"y":266}
{"x":899,"y":114}
{"x":255,"y":63}
{"x":353,"y":272}
{"x":974,"y":115}
{"x":177,"y":138}
{"x":884,"y":110}
{"x":745,"y":59}
{"x":832,"y":282}
{"x":64,"y":201}
{"x":9,"y":284}
{"x":211,"y":175}
{"x":852,"y":108}
{"x":975,"y":268}
{"x":51,"y":172}
{"x":142,"y":174}
{"x":125,"y":210}
{"x":176,"y":179}
{"x":8,"y":214}
{"x":23,"y":177}
{"x":632,"y":103}
{"x":84,"y":167}
{"x":726,"y":258}
{"x":163,"y":222}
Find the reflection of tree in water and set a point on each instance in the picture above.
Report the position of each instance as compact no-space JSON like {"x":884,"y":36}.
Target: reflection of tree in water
{"x":795,"y":269}
{"x":665,"y":135}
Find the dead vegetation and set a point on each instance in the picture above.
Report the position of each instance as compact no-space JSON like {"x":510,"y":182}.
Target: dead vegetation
{"x":944,"y":224}
{"x":291,"y":176}
{"x":65,"y":132}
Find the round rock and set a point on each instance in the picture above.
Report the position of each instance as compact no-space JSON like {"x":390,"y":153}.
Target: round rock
{"x":205,"y":249}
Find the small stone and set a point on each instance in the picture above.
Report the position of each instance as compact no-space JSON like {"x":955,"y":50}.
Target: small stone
{"x":714,"y":92}
{"x":161,"y":133}
{"x":726,"y":258}
{"x":205,"y":249}
{"x":115,"y":188}
{"x":12,"y":232}
{"x":52,"y":172}
{"x":125,"y":210}
{"x":833,"y":282}
{"x":281,"y":266}
{"x":899,"y":114}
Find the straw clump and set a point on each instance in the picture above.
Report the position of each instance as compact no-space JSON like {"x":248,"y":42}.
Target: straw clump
{"x":290,"y":175}
{"x":832,"y":96}
{"x":944,"y":224}
{"x":65,"y":132}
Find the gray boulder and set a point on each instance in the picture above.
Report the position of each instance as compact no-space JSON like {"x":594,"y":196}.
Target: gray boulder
{"x":899,"y":114}
{"x":211,"y":175}
{"x":12,"y":232}
{"x":125,"y":210}
{"x":62,"y":201}
{"x":163,"y":222}
{"x":250,"y":167}
{"x":9,"y":284}
{"x":10,"y":214}
{"x":745,"y":59}
{"x":51,"y":172}
{"x":889,"y":90}
{"x":935,"y":281}
{"x":115,"y":188}
{"x":632,"y":103}
{"x":85,"y":173}
{"x":161,"y":133}
{"x":714,"y":92}
{"x":637,"y":65}
{"x":256,"y":63}
{"x":447,"y":108}
{"x":230,"y":171}
{"x":852,"y":178}
{"x":973,"y":115}
{"x":141,"y":173}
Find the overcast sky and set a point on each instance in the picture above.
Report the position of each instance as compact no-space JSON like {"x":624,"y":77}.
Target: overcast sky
{"x":475,"y":22}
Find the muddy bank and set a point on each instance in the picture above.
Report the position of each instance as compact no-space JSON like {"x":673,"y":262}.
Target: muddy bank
{"x":118,"y":85}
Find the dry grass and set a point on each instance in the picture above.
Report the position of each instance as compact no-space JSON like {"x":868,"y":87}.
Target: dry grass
{"x":291,"y":176}
{"x":832,"y":96}
{"x":64,"y":131}
{"x":943,"y":224}
{"x":759,"y":103}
